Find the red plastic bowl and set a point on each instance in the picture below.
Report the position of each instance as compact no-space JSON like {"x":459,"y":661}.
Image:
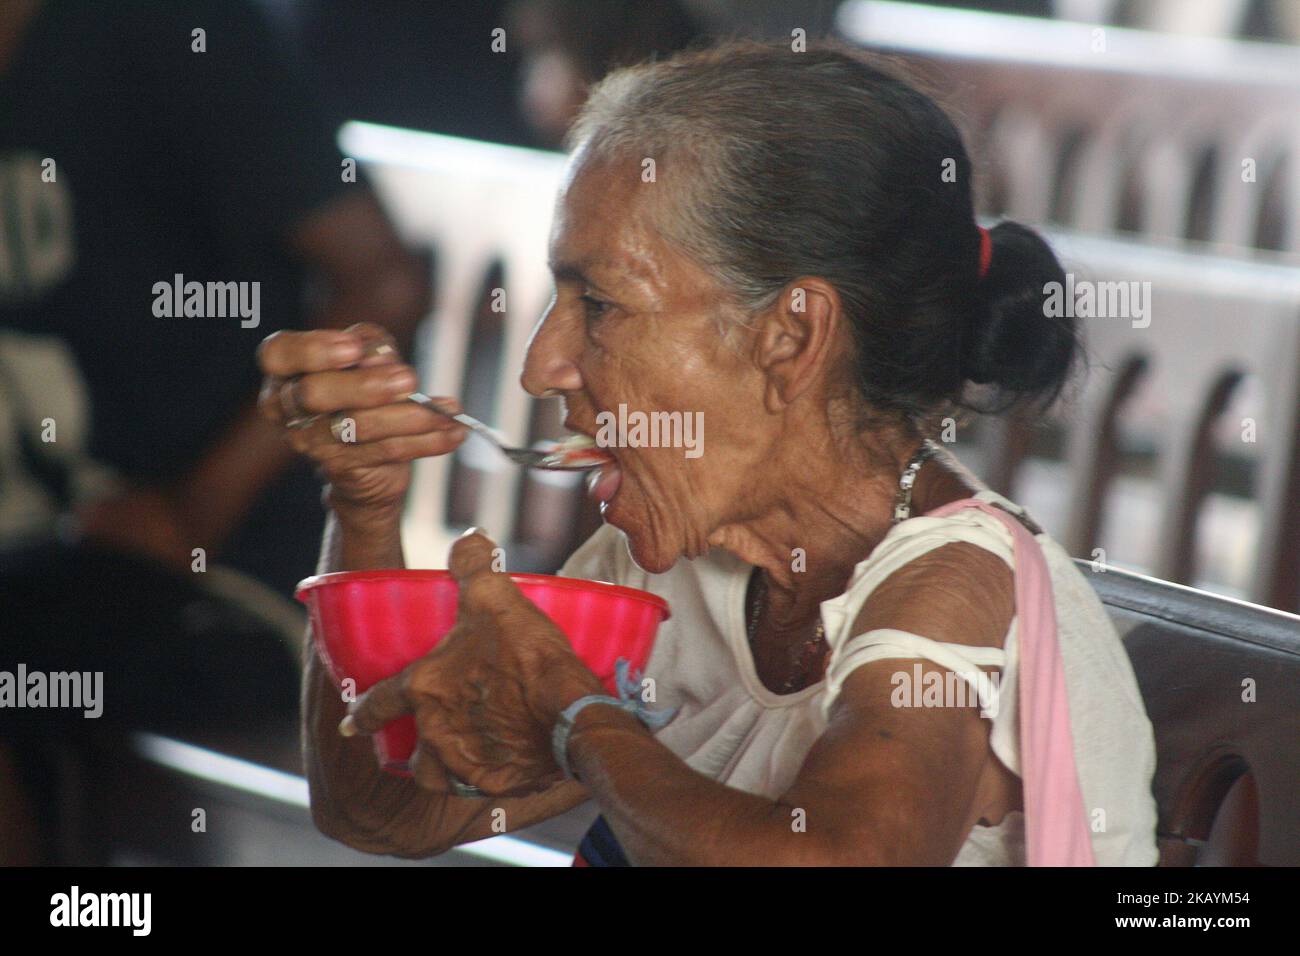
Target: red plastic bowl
{"x":371,"y":624}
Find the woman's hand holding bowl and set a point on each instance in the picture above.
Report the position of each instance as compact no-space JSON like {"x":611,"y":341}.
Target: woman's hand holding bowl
{"x":486,"y":699}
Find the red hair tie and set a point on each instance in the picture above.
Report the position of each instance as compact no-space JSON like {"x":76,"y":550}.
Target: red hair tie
{"x":986,"y":251}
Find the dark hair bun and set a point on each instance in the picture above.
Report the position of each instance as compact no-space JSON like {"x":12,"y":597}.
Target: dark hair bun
{"x":1015,"y":346}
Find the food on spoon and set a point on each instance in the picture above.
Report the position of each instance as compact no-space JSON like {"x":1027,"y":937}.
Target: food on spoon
{"x":576,"y":451}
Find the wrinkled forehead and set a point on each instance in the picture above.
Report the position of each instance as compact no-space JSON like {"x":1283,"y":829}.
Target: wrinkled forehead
{"x":603,"y":214}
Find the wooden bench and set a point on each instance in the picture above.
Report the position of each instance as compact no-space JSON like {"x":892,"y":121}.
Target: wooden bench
{"x":1221,"y":682}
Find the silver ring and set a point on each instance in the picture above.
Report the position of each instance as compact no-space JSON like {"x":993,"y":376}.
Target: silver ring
{"x":295,"y":416}
{"x":462,"y":789}
{"x":289,"y":403}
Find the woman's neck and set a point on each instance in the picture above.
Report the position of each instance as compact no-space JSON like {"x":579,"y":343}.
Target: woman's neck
{"x":825,"y":522}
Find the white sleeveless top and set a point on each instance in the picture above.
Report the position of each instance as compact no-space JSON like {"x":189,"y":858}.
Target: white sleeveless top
{"x":736,"y":731}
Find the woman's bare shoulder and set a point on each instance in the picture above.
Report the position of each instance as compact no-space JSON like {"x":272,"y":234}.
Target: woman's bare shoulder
{"x":956,"y":593}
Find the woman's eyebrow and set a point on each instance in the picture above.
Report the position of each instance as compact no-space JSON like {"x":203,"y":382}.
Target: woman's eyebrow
{"x":572,"y":272}
{"x":566,"y":272}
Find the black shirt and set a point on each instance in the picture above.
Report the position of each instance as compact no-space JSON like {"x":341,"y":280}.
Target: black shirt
{"x":166,"y":161}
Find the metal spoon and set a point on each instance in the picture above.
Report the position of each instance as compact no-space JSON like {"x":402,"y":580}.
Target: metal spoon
{"x":528,"y":457}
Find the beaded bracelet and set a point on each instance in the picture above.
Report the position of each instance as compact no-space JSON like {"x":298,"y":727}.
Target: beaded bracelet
{"x":628,"y":685}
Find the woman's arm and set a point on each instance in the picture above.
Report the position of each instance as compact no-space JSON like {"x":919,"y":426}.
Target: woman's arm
{"x":311,"y":376}
{"x":883,"y":785}
{"x":352,"y":800}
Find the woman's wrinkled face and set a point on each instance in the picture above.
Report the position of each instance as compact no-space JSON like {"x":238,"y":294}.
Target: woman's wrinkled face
{"x":635,"y":323}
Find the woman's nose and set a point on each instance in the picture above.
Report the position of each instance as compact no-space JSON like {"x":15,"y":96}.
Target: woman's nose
{"x":549,"y":367}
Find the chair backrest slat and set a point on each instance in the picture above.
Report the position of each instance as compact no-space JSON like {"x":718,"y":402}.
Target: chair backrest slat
{"x":1209,"y":317}
{"x":1124,"y":101}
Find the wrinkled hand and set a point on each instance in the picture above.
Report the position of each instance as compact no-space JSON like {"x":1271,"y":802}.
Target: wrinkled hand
{"x":353,"y":381}
{"x":486,"y":699}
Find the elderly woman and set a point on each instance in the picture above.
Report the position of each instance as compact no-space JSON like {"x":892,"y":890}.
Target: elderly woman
{"x":784,"y":241}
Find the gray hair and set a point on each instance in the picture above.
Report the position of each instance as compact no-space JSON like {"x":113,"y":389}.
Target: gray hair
{"x":780,"y":164}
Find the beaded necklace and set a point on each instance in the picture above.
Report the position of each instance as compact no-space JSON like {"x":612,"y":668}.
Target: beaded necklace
{"x":809,"y":654}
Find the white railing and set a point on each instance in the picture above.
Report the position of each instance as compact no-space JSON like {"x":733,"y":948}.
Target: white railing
{"x":1074,"y":122}
{"x":1005,"y":40}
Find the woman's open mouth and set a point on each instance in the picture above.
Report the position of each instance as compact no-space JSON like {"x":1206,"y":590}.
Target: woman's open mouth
{"x":581,"y":450}
{"x":603,"y":484}
{"x":574,"y":453}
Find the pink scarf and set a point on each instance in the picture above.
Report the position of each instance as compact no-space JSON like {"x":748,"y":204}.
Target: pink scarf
{"x":1056,"y":828}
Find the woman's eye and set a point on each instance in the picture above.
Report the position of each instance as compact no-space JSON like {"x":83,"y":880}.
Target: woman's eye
{"x":592,"y":307}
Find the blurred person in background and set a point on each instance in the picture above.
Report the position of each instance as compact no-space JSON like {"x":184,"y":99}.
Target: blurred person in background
{"x":568,"y":45}
{"x":145,"y":144}
{"x":440,"y":70}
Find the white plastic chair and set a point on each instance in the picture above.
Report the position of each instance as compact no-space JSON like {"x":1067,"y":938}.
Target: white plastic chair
{"x":477,"y":205}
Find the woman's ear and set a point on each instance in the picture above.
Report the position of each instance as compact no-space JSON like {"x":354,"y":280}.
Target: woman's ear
{"x":795,"y":338}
